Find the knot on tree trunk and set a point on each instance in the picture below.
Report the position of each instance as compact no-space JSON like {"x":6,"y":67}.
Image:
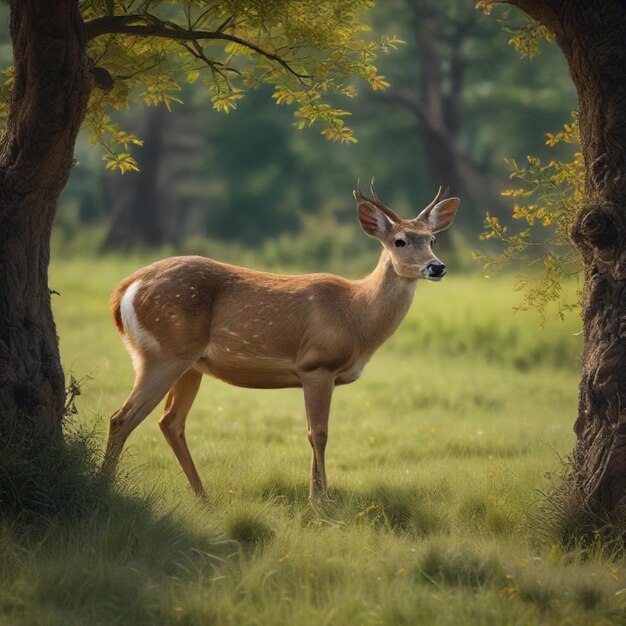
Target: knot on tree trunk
{"x":102,"y":78}
{"x":597,"y":227}
{"x":600,"y":235}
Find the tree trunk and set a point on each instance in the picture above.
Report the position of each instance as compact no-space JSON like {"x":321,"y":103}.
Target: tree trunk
{"x":139,"y":218}
{"x":438,"y":111}
{"x":440,"y":117}
{"x":591,"y":34}
{"x":595,"y":48}
{"x":151,"y":207}
{"x":48,"y":103}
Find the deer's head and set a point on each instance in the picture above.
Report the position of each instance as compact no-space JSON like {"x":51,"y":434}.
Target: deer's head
{"x":409,"y":242}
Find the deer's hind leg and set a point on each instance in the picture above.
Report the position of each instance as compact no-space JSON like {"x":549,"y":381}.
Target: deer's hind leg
{"x":172,"y":423}
{"x":154,"y":377}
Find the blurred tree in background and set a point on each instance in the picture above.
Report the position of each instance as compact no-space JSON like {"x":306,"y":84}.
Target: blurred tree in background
{"x":448,"y":38}
{"x":151,"y":207}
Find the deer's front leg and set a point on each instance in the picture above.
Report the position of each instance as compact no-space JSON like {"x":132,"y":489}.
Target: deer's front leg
{"x":318,"y":390}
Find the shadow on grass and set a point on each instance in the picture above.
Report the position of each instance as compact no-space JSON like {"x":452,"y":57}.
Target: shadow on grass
{"x":77,"y":549}
{"x":566,"y":520}
{"x":559,"y":518}
{"x":412,"y":510}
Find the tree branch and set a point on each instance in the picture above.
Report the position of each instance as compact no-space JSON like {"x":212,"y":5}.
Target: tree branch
{"x":150,"y":26}
{"x":546,"y":12}
{"x":407,"y":100}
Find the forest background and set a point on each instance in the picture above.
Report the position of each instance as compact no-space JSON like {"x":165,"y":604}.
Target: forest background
{"x":248,"y":184}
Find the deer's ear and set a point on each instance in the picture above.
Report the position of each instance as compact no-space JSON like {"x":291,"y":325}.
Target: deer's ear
{"x":440,"y":216}
{"x":373,"y":221}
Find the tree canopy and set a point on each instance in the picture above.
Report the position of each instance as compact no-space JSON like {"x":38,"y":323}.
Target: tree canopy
{"x":147,"y":49}
{"x":253,"y":169}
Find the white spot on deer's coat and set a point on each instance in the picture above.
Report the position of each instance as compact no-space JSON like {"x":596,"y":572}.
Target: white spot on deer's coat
{"x":132,"y":328}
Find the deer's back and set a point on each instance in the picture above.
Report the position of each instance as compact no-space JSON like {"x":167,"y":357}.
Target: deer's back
{"x":242,"y":323}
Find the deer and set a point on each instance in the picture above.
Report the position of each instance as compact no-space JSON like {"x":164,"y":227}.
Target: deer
{"x":188,"y":316}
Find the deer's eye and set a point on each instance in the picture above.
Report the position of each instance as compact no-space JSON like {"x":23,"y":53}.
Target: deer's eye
{"x":400,"y":243}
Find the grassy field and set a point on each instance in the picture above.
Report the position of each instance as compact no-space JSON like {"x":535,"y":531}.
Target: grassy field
{"x":436,"y":459}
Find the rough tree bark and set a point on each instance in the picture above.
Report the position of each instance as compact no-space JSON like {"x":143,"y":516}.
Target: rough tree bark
{"x":48,"y":103}
{"x":592,"y":37}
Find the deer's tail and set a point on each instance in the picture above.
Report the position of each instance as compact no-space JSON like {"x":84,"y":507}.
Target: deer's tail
{"x":115,"y":302}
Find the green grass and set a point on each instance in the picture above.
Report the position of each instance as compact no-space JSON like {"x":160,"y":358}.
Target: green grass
{"x":436,"y":458}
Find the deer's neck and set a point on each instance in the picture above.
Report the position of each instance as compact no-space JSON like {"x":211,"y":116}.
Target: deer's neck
{"x":383,"y":300}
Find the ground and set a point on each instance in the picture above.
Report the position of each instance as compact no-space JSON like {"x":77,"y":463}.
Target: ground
{"x":438,"y":458}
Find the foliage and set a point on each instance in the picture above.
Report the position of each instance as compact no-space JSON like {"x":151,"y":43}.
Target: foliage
{"x":321,"y":243}
{"x":547,"y":201}
{"x":147,"y":50}
{"x":525,"y":37}
{"x":255,"y":177}
{"x":305,"y":51}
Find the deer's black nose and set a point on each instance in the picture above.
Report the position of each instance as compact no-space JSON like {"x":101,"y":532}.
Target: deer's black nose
{"x":435,"y":270}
